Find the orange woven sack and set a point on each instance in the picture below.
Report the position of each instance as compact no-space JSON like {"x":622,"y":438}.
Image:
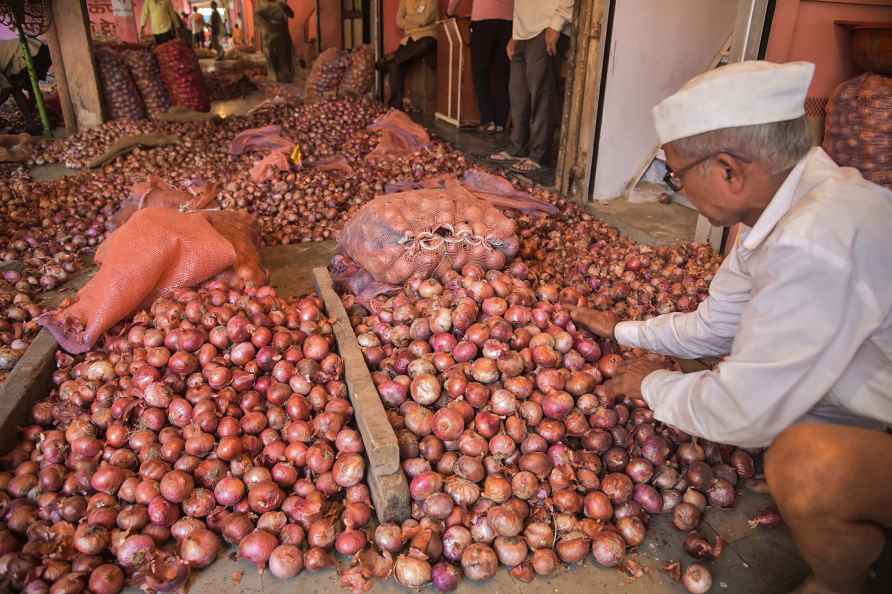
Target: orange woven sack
{"x":158,"y":193}
{"x":155,"y":251}
{"x":419,"y":232}
{"x":241,"y":230}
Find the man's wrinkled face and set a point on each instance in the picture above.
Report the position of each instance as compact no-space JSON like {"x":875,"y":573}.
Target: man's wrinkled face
{"x":713,"y":186}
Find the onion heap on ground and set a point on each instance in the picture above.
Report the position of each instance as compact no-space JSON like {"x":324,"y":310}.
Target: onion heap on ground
{"x":218,"y":416}
{"x":49,"y":231}
{"x":515,"y":453}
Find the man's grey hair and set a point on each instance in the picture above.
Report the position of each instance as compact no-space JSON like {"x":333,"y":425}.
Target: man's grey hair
{"x":779,"y":145}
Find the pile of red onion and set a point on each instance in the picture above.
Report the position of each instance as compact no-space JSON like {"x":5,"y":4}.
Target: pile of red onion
{"x":515,"y":454}
{"x":218,"y":416}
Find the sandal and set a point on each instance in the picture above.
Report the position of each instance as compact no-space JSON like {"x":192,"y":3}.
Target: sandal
{"x":526,"y":166}
{"x":504,"y":157}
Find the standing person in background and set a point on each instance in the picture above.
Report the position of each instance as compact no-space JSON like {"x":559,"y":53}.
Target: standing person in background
{"x":539,"y":40}
{"x":417,"y":19}
{"x":196,"y":23}
{"x":15,"y":81}
{"x":216,"y":30}
{"x":490,"y":34}
{"x":272,"y":18}
{"x":163,"y":18}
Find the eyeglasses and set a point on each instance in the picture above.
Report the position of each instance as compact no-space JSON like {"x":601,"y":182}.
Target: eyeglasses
{"x":673,"y":179}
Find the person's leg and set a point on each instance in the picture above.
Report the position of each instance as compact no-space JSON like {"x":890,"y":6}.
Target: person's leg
{"x":543,"y":72}
{"x":833,"y":487}
{"x":396,"y":72}
{"x":287,"y":59}
{"x":501,"y":69}
{"x":483,"y":48}
{"x":402,"y":59}
{"x":520,"y":101}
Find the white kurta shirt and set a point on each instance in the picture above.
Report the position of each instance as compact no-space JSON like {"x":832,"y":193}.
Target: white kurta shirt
{"x":531,"y":17}
{"x":803,"y":304}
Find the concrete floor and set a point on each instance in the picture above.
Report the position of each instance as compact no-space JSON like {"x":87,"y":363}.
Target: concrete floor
{"x":647,"y":222}
{"x":756,"y":561}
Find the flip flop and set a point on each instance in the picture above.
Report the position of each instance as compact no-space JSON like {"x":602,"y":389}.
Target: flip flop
{"x":504,"y":157}
{"x":526,"y":166}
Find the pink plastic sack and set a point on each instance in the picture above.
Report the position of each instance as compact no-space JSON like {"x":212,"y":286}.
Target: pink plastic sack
{"x":501,"y":192}
{"x":399,"y":136}
{"x":419,"y":232}
{"x":334,"y":163}
{"x":268,"y":138}
{"x":266,"y":168}
{"x":351,"y":277}
{"x":495,"y":189}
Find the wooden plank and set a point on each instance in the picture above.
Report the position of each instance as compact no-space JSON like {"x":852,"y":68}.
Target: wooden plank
{"x":28,"y":383}
{"x":390,"y":495}
{"x":380,"y":440}
{"x":388,"y":485}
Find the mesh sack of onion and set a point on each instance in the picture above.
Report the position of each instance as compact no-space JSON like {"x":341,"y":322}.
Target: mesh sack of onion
{"x":858,"y":128}
{"x":326,"y":73}
{"x":418,"y":232}
{"x":146,"y":73}
{"x":119,"y":92}
{"x":360,"y":75}
{"x":182,"y":75}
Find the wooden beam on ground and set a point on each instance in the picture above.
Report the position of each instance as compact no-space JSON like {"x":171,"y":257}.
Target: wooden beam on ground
{"x":390,"y":490}
{"x":29,"y":382}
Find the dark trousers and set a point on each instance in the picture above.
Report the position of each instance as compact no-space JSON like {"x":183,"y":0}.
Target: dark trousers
{"x":164,"y":37}
{"x":215,"y":45}
{"x":402,"y":59}
{"x":198,"y":39}
{"x":535,"y":104}
{"x":490,"y":66}
{"x":280,"y":58}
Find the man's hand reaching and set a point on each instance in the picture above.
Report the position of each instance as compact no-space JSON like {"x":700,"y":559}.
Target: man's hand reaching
{"x":630,"y":374}
{"x":599,"y":323}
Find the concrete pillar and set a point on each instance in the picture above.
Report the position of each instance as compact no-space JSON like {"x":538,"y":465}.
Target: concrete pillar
{"x":72,"y":26}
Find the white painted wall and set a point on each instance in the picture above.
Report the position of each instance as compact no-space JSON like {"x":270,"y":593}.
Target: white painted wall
{"x":656,"y":46}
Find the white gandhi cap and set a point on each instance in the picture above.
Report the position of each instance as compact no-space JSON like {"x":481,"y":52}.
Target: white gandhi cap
{"x":741,"y":94}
